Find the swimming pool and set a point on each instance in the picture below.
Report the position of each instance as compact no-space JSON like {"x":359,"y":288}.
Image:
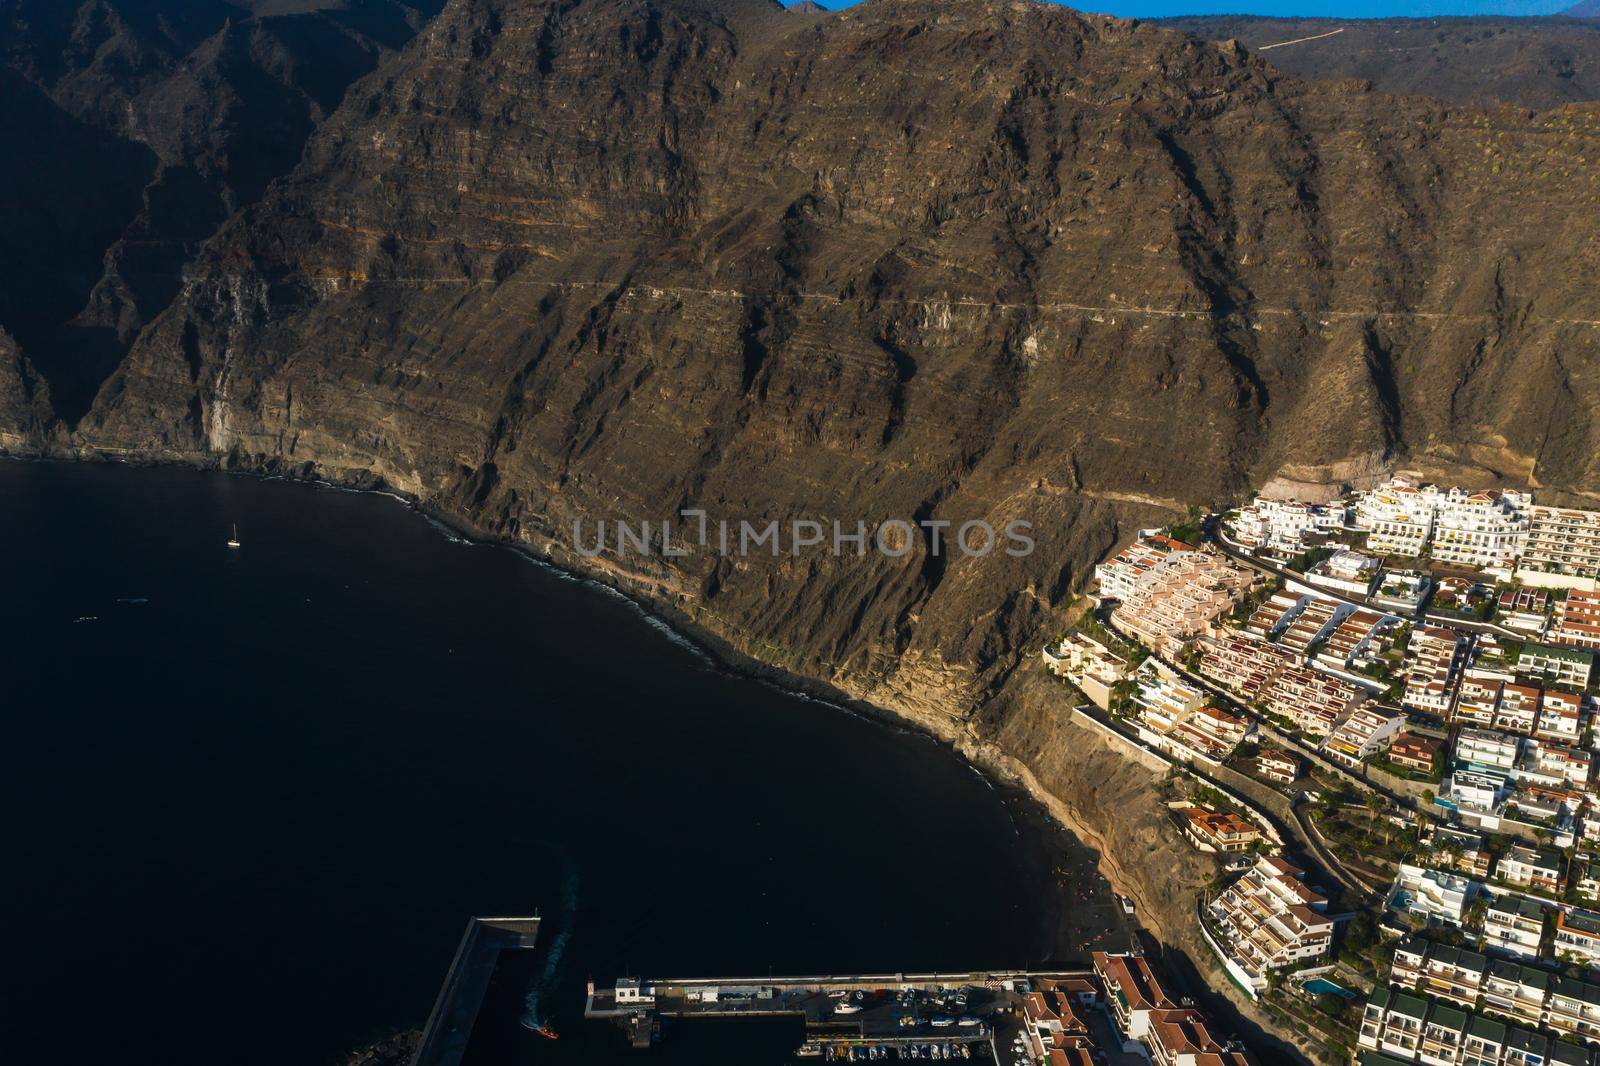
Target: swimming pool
{"x":1317,"y":986}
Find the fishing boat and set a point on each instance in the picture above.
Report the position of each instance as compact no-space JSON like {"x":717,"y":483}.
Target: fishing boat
{"x":541,"y":1028}
{"x":846,"y":1008}
{"x":233,"y":541}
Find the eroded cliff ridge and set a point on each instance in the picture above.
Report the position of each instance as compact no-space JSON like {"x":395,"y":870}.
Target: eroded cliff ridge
{"x":607,"y":259}
{"x":1537,"y":62}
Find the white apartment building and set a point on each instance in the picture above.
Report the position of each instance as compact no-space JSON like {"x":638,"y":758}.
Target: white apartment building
{"x":1285,"y":527}
{"x":1434,"y":656}
{"x":1268,"y":918}
{"x":1567,"y":666}
{"x":1162,"y":699}
{"x":1118,"y":576}
{"x":1578,"y":935}
{"x":1485,"y":529}
{"x":1437,"y":896}
{"x":1364,"y":733}
{"x":1487,"y":751}
{"x":1562,"y":549}
{"x":1087,"y":663}
{"x":1346,"y":571}
{"x":1514,"y":924}
{"x":1398,"y":517}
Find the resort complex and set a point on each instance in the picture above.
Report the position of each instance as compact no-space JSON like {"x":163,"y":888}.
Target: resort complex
{"x":1376,"y":714}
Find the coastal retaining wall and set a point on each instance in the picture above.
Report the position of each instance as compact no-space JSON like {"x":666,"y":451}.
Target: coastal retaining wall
{"x":1138,"y":752}
{"x":1210,"y":772}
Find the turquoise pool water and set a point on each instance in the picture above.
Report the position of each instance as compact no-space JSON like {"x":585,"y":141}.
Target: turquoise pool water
{"x":1317,"y":986}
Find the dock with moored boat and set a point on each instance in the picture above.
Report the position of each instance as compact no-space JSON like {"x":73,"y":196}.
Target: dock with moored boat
{"x":846,"y":1017}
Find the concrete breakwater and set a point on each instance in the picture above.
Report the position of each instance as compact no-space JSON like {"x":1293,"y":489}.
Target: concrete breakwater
{"x":449,"y":1028}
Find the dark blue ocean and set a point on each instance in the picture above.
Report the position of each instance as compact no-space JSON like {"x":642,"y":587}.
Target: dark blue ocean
{"x":251,"y":797}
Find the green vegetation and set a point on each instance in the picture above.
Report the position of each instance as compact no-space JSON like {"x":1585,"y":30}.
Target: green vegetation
{"x":1091,"y":626}
{"x":1332,"y":1004}
{"x":1309,"y":558}
{"x":1191,"y":529}
{"x":1363,"y":947}
{"x":1406,"y":773}
{"x":1363,"y":837}
{"x":1122,"y":693}
{"x":1236,"y":618}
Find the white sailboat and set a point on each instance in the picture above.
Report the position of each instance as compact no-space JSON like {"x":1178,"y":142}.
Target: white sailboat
{"x":233,"y":541}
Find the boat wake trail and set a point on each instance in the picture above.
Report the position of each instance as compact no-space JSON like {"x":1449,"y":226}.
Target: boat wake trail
{"x":544,"y":980}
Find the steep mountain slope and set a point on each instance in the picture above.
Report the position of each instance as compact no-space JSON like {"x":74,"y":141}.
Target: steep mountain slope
{"x":173,"y":117}
{"x":1534,"y":62}
{"x":68,"y":190}
{"x":984,"y":261}
{"x":1588,"y":9}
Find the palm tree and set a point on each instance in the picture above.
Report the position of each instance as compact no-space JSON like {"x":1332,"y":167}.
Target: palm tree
{"x":1451,"y":849}
{"x":1372,"y":804}
{"x":1122,"y":694}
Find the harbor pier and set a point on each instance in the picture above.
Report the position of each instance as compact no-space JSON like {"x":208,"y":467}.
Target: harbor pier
{"x":865,"y":1016}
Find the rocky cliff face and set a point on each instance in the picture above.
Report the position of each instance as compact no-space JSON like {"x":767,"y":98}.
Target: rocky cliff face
{"x":142,"y":127}
{"x":997,"y":261}
{"x":1531,"y":62}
